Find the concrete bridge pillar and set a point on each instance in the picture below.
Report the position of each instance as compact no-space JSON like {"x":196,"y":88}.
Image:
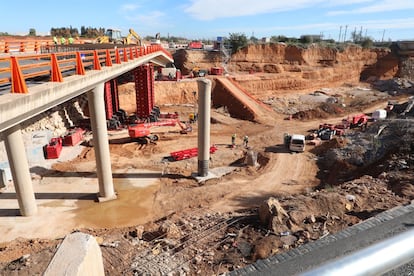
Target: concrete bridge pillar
{"x":204,"y":102}
{"x":101,"y":143}
{"x":20,"y":171}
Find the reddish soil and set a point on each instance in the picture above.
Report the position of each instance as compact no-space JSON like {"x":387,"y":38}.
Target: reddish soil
{"x":214,"y":226}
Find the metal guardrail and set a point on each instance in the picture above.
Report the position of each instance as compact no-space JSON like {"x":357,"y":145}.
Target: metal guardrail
{"x":20,"y":46}
{"x":16,"y":69}
{"x":373,"y":260}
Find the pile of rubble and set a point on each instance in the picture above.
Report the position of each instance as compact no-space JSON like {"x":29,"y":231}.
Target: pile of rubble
{"x":369,"y":152}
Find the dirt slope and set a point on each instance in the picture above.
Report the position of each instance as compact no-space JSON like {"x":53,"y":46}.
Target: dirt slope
{"x":241,"y":103}
{"x":266,"y":70}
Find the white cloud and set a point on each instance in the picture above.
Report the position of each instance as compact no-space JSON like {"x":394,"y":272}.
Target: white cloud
{"x":212,"y":9}
{"x":129,"y":7}
{"x":379,"y":6}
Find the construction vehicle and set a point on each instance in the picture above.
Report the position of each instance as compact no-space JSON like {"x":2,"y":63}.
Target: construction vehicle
{"x":169,"y":72}
{"x":156,"y":40}
{"x":53,"y":149}
{"x":142,"y":132}
{"x":197,"y":72}
{"x":359,"y":120}
{"x":327,"y":131}
{"x":297,"y":143}
{"x":114,"y":36}
{"x":133,"y":38}
{"x":195,"y":45}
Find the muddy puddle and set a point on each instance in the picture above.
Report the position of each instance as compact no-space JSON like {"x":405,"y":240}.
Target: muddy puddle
{"x":133,"y":205}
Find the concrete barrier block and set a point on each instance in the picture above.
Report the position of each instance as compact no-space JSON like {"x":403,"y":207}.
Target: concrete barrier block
{"x":79,"y":254}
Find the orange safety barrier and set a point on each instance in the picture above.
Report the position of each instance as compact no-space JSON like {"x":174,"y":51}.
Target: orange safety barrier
{"x":125,"y":55}
{"x":80,"y":69}
{"x":56,"y":73}
{"x":17,"y":80}
{"x":16,"y":71}
{"x":96,"y":62}
{"x":117,"y":57}
{"x":108,"y":58}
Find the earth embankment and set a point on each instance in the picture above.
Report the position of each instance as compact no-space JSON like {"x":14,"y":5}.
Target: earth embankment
{"x":266,"y":70}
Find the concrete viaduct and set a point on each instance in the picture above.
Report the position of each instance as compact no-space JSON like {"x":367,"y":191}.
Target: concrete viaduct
{"x":24,"y":103}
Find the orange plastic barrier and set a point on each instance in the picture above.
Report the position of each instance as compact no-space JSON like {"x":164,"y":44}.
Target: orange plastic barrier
{"x":53,"y":64}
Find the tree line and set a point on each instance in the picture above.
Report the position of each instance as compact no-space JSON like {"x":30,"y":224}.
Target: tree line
{"x":86,"y":32}
{"x":234,"y":41}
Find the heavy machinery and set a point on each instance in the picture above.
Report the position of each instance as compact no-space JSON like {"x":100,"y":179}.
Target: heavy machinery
{"x":197,"y":72}
{"x":114,"y":36}
{"x":359,"y":120}
{"x":111,"y":36}
{"x":133,"y":38}
{"x":142,"y":132}
{"x":156,"y":40}
{"x":195,"y":45}
{"x":169,"y":72}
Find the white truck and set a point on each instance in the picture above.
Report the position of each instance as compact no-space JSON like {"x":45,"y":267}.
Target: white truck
{"x":167,"y":73}
{"x":297,"y":143}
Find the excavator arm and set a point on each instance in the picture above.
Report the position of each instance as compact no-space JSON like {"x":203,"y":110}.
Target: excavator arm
{"x":133,"y":35}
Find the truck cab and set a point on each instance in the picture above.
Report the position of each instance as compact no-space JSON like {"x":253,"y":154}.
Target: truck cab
{"x":297,"y":143}
{"x":168,"y":72}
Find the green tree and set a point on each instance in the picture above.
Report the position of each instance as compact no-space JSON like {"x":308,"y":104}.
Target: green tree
{"x":357,"y":37}
{"x":253,"y":39}
{"x":306,"y":39}
{"x":237,"y":41}
{"x":279,"y":38}
{"x":367,"y":42}
{"x":32,"y":32}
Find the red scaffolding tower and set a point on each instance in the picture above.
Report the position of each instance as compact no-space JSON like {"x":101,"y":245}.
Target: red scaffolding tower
{"x":144,"y":89}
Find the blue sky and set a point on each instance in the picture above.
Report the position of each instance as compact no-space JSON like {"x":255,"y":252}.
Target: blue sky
{"x":207,"y":19}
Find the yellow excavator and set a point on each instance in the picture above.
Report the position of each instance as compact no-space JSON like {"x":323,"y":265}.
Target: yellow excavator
{"x":133,"y":38}
{"x":114,"y":36}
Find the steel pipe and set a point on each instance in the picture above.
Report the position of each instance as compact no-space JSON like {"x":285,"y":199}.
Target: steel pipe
{"x":373,"y":260}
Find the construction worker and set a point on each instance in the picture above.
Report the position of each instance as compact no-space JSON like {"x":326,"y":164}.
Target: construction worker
{"x":62,"y":40}
{"x":70,"y":40}
{"x":191,"y":118}
{"x":233,"y":140}
{"x":55,"y":40}
{"x":245,"y":140}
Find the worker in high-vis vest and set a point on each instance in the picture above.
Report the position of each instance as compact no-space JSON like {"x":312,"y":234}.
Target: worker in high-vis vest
{"x":191,"y":118}
{"x":233,"y":140}
{"x":62,"y":40}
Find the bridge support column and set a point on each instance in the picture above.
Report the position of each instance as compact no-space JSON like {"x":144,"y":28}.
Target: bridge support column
{"x":204,"y":101}
{"x":20,"y":171}
{"x":101,"y":143}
